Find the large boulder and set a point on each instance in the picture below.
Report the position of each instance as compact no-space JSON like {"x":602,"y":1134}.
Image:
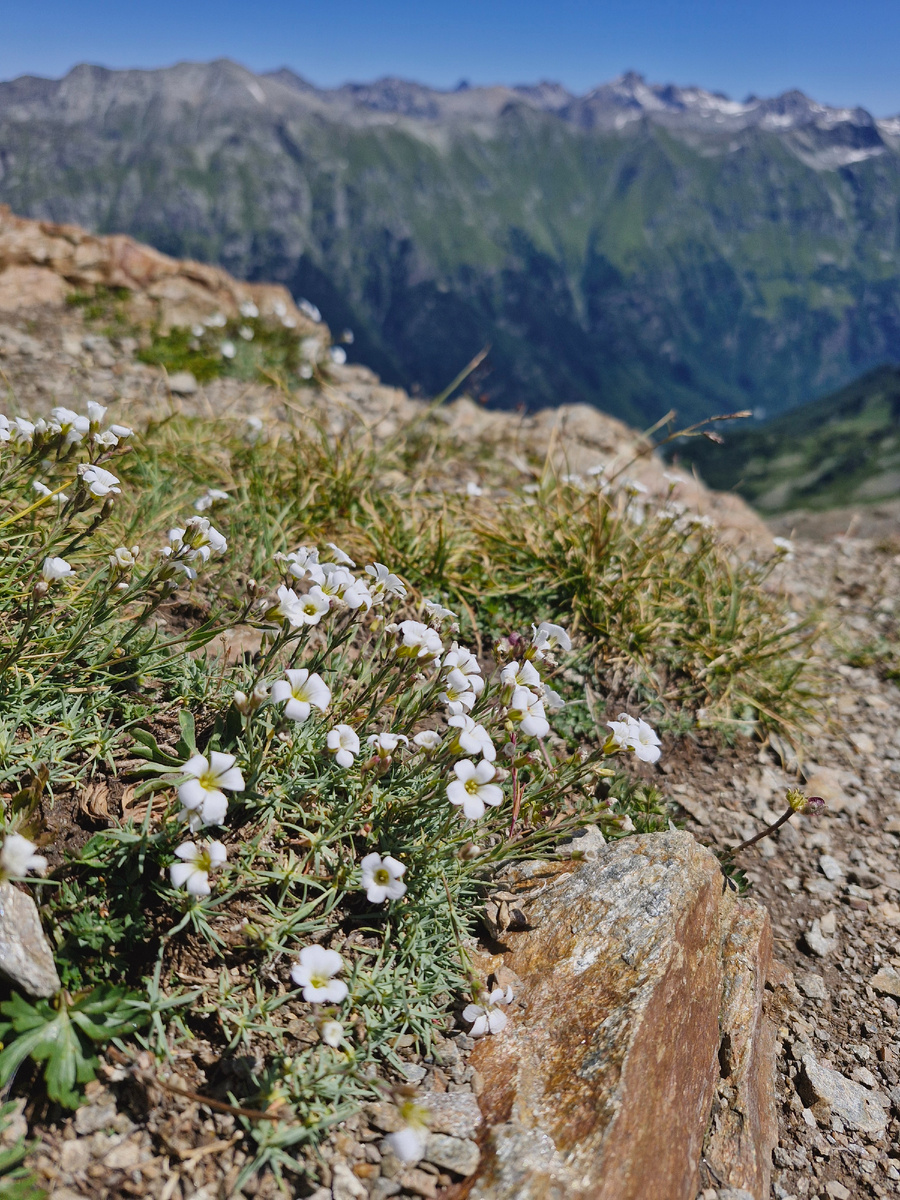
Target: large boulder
{"x":641,"y":992}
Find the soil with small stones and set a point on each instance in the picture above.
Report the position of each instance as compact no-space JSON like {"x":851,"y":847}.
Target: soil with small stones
{"x":141,"y":1135}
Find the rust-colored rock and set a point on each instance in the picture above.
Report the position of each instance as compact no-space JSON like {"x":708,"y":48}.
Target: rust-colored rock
{"x":602,"y":1084}
{"x":744,"y":1127}
{"x":40,"y":262}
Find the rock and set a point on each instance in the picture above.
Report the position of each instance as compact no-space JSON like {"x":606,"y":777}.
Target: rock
{"x":616,"y":1036}
{"x":887,"y":982}
{"x":27,"y":287}
{"x":837,"y":1190}
{"x":584,"y":843}
{"x":830,"y":867}
{"x":26,"y":960}
{"x":344,"y":1184}
{"x":419,"y":1182}
{"x":182,"y":383}
{"x":828,"y":1093}
{"x":454,"y":1113}
{"x":743,"y":1129}
{"x":460,"y":1155}
{"x":812,"y":985}
{"x":816,"y":942}
{"x":91,"y":1117}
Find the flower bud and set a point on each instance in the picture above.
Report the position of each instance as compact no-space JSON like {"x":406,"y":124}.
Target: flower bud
{"x":41,"y":588}
{"x":803,"y":804}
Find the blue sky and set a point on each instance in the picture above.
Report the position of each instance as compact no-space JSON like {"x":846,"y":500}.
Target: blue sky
{"x":838,"y":51}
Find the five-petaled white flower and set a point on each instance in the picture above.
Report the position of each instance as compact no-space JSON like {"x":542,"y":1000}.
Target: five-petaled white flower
{"x":381,"y":878}
{"x":202,"y":794}
{"x":211,"y":497}
{"x":72,"y":424}
{"x":340,"y":557}
{"x":636,"y":735}
{"x":56,"y":568}
{"x":459,"y":658}
{"x":487,"y":1017}
{"x":315,"y":974}
{"x":429,"y":739}
{"x":458,"y":695}
{"x":99,"y":481}
{"x":386,"y":582}
{"x":408,"y":1142}
{"x":303,"y":692}
{"x":301,"y":610}
{"x":472,"y":738}
{"x":520,"y":674}
{"x":343,"y":742}
{"x":418,"y":641}
{"x":384,"y":744}
{"x":527,"y":708}
{"x":17,"y":857}
{"x":437,"y":612}
{"x":548,"y":637}
{"x":192,"y":873}
{"x":332,"y":1033}
{"x":472,"y":788}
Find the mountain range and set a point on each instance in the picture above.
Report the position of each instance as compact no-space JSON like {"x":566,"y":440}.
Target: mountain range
{"x":639,"y":247}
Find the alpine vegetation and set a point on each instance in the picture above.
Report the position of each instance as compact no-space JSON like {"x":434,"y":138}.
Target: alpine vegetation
{"x":307,"y":731}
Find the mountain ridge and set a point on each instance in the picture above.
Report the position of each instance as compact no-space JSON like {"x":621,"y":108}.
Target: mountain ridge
{"x":639,"y":247}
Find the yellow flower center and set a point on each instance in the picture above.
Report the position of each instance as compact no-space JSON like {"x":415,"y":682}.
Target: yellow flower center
{"x":319,"y":981}
{"x":472,"y":787}
{"x":382,"y":876}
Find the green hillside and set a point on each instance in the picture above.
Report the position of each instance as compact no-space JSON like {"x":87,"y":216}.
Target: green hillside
{"x":841,"y":450}
{"x":633,"y":255}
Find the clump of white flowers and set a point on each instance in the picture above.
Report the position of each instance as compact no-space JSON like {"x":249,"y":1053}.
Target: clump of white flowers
{"x":489,"y":1017}
{"x":17,"y":857}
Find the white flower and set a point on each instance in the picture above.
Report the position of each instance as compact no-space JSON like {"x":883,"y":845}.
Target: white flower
{"x":552,"y":699}
{"x":22,"y":430}
{"x":5,"y":434}
{"x":599,"y":469}
{"x":338,"y":355}
{"x":55,"y":568}
{"x":17,"y":857}
{"x":202,"y":794}
{"x":386,"y":582}
{"x":249,"y":309}
{"x":302,"y":692}
{"x":633,"y":487}
{"x":315,"y":974}
{"x":310,"y":310}
{"x":384,"y":744}
{"x":631,"y":734}
{"x":408,"y":1142}
{"x":487,"y":1017}
{"x":381,"y":878}
{"x":99,"y":481}
{"x":217,"y":321}
{"x":96,"y":412}
{"x":340,"y":557}
{"x":418,"y":641}
{"x":429,"y":739}
{"x":472,"y":738}
{"x":212,"y":496}
{"x":72,"y":424}
{"x":343,"y":742}
{"x":458,"y":696}
{"x":301,"y":610}
{"x":227,"y":350}
{"x":198,"y":539}
{"x":462,"y":659}
{"x":193,"y":873}
{"x":122,"y":558}
{"x":472,"y":489}
{"x":332,"y":1033}
{"x":300,"y":561}
{"x":472,"y":788}
{"x":121,"y":431}
{"x":246,"y":333}
{"x":527,"y":708}
{"x":547,"y":637}
{"x":337,"y":582}
{"x":520,"y":674}
{"x":198,"y":331}
{"x":437,"y":612}
{"x":107,"y":439}
{"x":785,"y":546}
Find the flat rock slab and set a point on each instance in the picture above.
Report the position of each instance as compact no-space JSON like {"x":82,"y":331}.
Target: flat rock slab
{"x":602,"y":1085}
{"x":26,"y":960}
